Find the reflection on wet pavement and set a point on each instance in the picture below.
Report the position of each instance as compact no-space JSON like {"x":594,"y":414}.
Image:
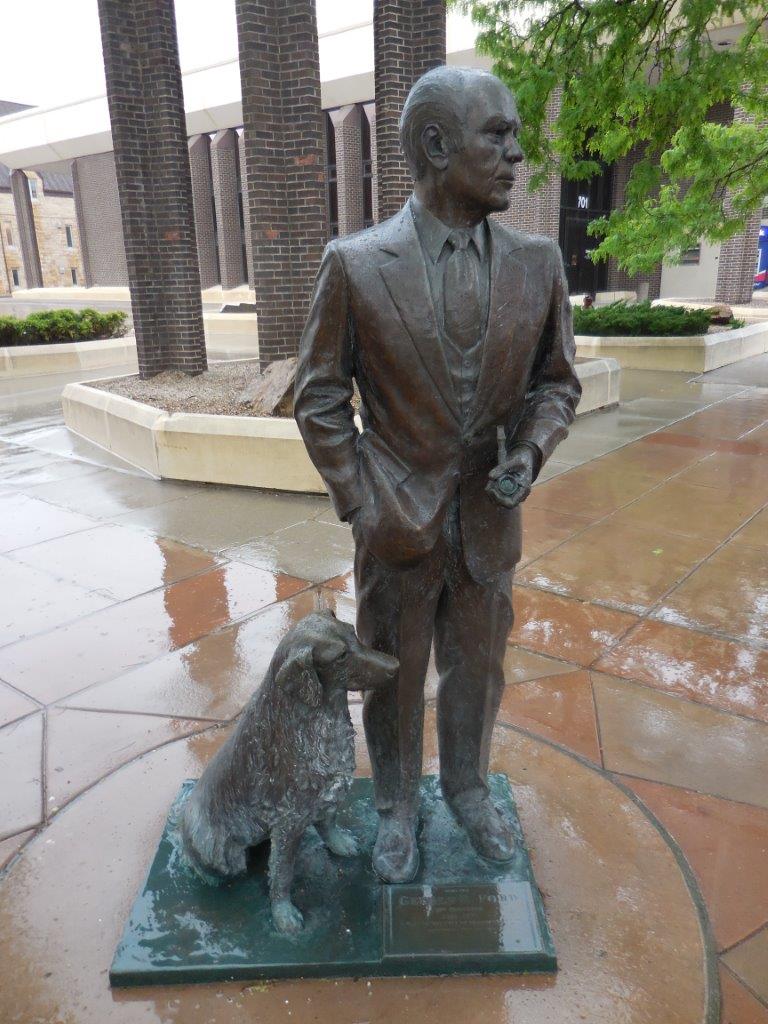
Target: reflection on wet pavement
{"x":137,"y":617}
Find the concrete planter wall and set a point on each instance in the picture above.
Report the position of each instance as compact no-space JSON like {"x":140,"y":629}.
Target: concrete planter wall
{"x":697,"y":353}
{"x":228,"y":336}
{"x":249,"y":451}
{"x":27,"y":360}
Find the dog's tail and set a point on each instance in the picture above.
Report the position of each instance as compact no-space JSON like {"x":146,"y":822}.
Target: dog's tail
{"x":207,"y":849}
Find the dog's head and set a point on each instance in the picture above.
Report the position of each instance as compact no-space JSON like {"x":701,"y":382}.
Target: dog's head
{"x":322,"y":656}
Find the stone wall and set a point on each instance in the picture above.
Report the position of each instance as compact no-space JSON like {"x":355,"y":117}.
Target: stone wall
{"x":10,"y":249}
{"x":51,"y":215}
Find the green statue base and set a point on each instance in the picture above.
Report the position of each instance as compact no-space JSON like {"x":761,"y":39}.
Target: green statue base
{"x":461,"y":915}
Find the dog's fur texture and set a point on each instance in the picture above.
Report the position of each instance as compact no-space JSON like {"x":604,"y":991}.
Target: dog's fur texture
{"x":289,"y":762}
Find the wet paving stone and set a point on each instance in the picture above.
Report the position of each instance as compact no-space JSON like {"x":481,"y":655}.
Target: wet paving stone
{"x":211,"y":678}
{"x":561,"y":708}
{"x":726,"y":844}
{"x":749,"y":962}
{"x":21,"y":771}
{"x":84,"y":746}
{"x":117,"y":561}
{"x":29,"y":521}
{"x":661,"y":738}
{"x":33,"y":601}
{"x":123,"y":636}
{"x":691,"y":664}
{"x":315,"y":550}
{"x":14,"y":705}
{"x":562,"y":627}
{"x":627,"y":567}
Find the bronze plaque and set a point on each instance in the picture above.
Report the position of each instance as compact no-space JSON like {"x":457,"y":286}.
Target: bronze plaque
{"x":481,"y":919}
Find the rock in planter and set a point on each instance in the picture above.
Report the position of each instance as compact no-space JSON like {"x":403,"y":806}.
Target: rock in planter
{"x":720,"y":313}
{"x":271,"y":393}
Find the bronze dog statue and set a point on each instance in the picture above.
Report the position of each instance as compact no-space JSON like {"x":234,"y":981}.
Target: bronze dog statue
{"x":289,"y":762}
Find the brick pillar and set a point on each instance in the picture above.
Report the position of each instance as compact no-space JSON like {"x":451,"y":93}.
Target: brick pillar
{"x":244,"y":194}
{"x":226,"y":192}
{"x":370,"y":112}
{"x":408,"y":40}
{"x":146,"y":108}
{"x":25,"y":219}
{"x":283,"y":133}
{"x":81,"y":228}
{"x":202,"y":204}
{"x":349,"y":168}
{"x":738,"y":255}
{"x":736,"y":265}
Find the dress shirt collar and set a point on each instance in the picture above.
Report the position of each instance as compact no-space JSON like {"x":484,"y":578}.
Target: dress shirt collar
{"x":434,"y":234}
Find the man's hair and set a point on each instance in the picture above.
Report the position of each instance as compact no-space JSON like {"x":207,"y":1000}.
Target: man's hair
{"x":439,"y":97}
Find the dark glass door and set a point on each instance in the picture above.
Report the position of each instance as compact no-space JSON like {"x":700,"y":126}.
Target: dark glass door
{"x":581,"y":202}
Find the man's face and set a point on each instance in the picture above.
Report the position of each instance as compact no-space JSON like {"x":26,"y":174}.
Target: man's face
{"x":481,"y":173}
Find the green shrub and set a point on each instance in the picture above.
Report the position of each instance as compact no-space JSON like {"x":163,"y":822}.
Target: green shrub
{"x":641,"y":320}
{"x":52,"y":326}
{"x":10,"y":329}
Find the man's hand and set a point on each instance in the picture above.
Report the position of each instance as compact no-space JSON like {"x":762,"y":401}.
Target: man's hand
{"x":510,"y":482}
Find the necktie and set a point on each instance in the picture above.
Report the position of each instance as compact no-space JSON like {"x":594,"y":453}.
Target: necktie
{"x":461,"y":292}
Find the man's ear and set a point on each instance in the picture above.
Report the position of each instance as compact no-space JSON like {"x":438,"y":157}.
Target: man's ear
{"x":298,"y":674}
{"x":435,"y":146}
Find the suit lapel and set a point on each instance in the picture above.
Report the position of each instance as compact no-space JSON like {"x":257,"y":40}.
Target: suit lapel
{"x":508,"y":276}
{"x":406,"y":279}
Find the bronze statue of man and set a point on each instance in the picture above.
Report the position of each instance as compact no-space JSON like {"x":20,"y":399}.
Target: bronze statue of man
{"x":458,"y":334}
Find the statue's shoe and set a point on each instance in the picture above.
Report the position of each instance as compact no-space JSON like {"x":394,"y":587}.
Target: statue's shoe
{"x":396,"y":853}
{"x":489,"y":832}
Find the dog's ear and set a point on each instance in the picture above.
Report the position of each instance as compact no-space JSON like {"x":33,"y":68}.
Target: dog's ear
{"x":298,"y":673}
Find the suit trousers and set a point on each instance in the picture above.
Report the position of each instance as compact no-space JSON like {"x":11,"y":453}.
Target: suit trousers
{"x":400,"y":612}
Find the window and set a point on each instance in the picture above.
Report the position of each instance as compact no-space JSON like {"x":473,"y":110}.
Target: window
{"x":15,"y":275}
{"x":73,"y":271}
{"x":32,"y":188}
{"x":692,"y":255}
{"x":9,"y":237}
{"x":68,"y":231}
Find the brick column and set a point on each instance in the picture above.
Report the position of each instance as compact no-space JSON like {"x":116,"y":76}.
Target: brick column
{"x":202,"y":204}
{"x":736,"y":265}
{"x":370,"y":112}
{"x":408,"y":40}
{"x":25,"y":219}
{"x":738,"y":255}
{"x":349,"y":167}
{"x":283,"y":133}
{"x":226,"y":193}
{"x":146,"y":108}
{"x":244,"y":193}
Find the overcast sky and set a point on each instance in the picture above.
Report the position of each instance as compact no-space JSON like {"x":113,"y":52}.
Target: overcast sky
{"x":51,"y":49}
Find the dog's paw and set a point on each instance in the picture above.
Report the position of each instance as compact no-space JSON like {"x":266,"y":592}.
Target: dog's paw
{"x":341,"y":842}
{"x":287,"y":918}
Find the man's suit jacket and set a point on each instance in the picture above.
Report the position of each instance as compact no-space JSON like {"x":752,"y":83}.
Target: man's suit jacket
{"x":372,"y":319}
